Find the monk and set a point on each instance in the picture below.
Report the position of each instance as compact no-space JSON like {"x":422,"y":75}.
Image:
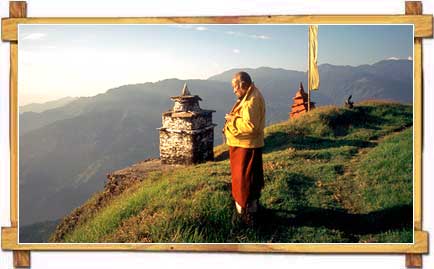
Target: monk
{"x":244,"y":132}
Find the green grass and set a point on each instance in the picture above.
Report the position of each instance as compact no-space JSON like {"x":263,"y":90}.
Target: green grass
{"x":333,"y":175}
{"x":388,"y":170}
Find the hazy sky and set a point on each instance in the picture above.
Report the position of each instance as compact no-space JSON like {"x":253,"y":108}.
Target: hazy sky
{"x":83,"y":60}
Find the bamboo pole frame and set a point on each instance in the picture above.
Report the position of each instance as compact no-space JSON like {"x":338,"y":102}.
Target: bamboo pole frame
{"x":422,"y":29}
{"x":422,"y":23}
{"x":415,"y":8}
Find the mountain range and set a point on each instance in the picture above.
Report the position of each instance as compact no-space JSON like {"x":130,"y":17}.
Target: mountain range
{"x":41,"y":107}
{"x":65,"y":152}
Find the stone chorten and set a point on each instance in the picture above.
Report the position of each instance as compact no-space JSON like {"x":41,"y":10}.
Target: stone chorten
{"x":299,"y":105}
{"x":187,"y":134}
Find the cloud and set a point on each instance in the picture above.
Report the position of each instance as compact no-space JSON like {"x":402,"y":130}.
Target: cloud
{"x":190,"y":26}
{"x":236,"y":51}
{"x":34,"y":36}
{"x":260,"y":36}
{"x":233,"y":33}
{"x":254,"y":36}
{"x":184,"y":26}
{"x":396,"y":58}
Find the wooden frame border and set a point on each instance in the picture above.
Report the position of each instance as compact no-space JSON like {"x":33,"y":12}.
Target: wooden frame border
{"x":9,"y":242}
{"x":423,"y":25}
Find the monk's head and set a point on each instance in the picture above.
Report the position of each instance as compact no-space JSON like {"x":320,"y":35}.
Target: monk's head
{"x":241,"y":83}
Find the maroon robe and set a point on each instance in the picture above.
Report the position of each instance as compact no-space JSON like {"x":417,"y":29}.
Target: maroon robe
{"x":247,"y":174}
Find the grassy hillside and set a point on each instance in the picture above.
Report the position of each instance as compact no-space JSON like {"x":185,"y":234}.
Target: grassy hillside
{"x":333,"y":175}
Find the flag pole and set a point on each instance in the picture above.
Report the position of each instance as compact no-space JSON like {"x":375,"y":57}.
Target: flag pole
{"x":308,"y":69}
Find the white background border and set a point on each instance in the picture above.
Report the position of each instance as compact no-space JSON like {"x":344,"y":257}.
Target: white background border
{"x":131,"y":8}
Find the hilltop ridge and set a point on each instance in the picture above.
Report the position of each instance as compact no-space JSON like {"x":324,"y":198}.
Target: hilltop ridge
{"x":332,"y":175}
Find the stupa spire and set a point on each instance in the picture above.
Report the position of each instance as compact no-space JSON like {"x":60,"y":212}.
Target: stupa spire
{"x":300,"y":88}
{"x":185,"y":91}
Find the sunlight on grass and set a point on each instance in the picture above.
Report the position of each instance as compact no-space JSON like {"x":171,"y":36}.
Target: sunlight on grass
{"x":333,"y":175}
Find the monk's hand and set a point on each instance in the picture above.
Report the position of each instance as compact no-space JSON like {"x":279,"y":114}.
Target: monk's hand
{"x":228,"y":117}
